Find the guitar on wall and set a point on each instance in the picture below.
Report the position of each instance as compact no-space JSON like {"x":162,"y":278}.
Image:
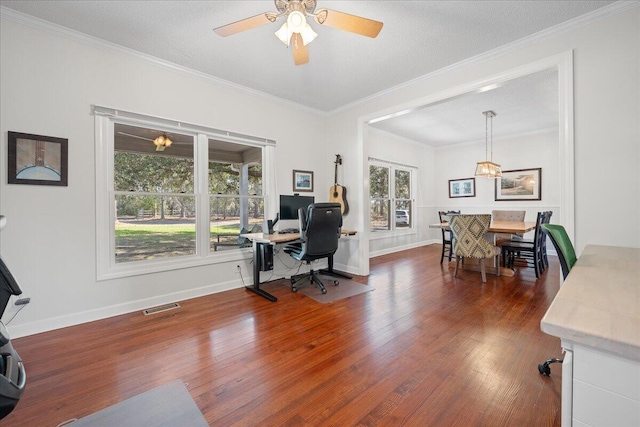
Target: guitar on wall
{"x":338,"y":193}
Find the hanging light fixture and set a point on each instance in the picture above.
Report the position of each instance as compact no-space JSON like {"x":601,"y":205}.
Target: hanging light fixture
{"x":488,"y":169}
{"x":296,"y":23}
{"x":162,"y":142}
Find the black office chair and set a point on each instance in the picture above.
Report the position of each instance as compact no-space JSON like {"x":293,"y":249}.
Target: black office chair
{"x":320,"y":226}
{"x":567,"y":257}
{"x":12,"y":373}
{"x":447,"y":236}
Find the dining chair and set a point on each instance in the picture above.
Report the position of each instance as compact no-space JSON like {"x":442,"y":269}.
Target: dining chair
{"x":446,"y":234}
{"x":529,"y":251}
{"x":469,"y":242}
{"x":567,"y":257}
{"x":502,"y":215}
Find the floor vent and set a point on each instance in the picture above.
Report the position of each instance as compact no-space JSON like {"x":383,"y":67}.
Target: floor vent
{"x":161,"y":308}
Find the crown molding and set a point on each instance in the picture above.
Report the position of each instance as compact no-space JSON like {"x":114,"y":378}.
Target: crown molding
{"x":58,"y":30}
{"x":564,"y":27}
{"x":580,"y":21}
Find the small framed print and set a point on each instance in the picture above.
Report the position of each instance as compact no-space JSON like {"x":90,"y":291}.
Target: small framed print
{"x":303,"y":181}
{"x":462,"y":188}
{"x":520,"y":184}
{"x":37,"y":159}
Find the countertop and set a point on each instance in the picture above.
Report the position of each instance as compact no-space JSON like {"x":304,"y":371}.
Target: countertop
{"x":599,"y":303}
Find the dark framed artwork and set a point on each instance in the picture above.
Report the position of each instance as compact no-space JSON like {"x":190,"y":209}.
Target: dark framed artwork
{"x":520,"y":184}
{"x":37,"y":159}
{"x":303,"y":181}
{"x":465,"y":187}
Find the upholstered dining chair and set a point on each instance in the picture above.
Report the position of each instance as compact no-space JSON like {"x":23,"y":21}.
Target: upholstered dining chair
{"x":501,"y":215}
{"x":446,"y":234}
{"x":469,"y":242}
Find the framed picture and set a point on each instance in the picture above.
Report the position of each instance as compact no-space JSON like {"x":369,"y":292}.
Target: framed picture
{"x":462,"y":187}
{"x":37,"y":159}
{"x":303,"y":181}
{"x":520,"y":184}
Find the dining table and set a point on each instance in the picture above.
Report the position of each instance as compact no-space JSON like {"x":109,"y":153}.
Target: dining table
{"x":496,"y":227}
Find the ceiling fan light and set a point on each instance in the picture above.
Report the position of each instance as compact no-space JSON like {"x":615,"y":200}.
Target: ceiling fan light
{"x":296,"y":21}
{"x":162,"y":142}
{"x":308,"y":35}
{"x":283,"y":34}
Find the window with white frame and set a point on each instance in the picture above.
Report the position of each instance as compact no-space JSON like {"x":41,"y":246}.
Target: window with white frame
{"x":391,"y":197}
{"x":164,"y":205}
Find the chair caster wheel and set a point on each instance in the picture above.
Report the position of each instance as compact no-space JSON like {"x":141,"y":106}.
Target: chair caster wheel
{"x":294,"y":289}
{"x":544,"y":370}
{"x":336,"y":283}
{"x":324,"y":291}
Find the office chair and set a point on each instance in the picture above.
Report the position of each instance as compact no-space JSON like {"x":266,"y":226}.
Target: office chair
{"x":320,"y":225}
{"x":12,"y":373}
{"x":567,"y":258}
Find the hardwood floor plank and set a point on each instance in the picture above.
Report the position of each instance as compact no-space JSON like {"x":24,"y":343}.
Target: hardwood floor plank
{"x":423,"y":348}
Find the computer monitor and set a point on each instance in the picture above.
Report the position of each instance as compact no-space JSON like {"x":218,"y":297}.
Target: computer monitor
{"x":289,"y":205}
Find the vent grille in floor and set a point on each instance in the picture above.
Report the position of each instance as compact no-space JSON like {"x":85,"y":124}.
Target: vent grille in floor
{"x":161,"y":308}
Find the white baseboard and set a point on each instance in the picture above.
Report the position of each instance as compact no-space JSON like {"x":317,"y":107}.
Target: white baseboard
{"x":403,"y":248}
{"x":116,"y":310}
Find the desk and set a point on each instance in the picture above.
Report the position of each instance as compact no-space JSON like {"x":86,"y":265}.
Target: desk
{"x":261,"y":239}
{"x":509,"y":227}
{"x":596,"y":314}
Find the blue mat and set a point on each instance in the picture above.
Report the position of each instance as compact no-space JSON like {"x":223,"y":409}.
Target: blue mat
{"x":169,"y":405}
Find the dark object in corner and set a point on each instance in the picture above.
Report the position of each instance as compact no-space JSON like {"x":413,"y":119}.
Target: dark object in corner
{"x":12,"y":374}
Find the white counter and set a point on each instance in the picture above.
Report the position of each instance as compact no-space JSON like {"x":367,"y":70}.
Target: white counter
{"x":599,"y":303}
{"x":596,"y":313}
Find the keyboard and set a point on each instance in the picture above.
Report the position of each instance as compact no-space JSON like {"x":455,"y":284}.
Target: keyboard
{"x":289,"y":231}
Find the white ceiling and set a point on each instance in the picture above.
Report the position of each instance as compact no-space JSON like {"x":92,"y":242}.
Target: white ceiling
{"x":418,"y":38}
{"x":525,"y":105}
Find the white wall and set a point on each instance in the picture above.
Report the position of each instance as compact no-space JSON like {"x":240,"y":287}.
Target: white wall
{"x":47,"y":85}
{"x":383,"y":145}
{"x":48,"y":82}
{"x":606,"y":126}
{"x":522,"y":152}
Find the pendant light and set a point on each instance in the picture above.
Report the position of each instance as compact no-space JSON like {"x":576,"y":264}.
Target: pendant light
{"x":488,"y":169}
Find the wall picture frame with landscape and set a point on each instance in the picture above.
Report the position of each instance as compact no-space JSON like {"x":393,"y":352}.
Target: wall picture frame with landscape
{"x":37,"y":159}
{"x":465,"y":187}
{"x":303,"y":181}
{"x":519,"y":184}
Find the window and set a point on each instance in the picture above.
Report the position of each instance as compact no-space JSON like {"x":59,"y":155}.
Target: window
{"x":236,"y":203}
{"x":391,"y":197}
{"x":154,"y":195}
{"x":166,"y":207}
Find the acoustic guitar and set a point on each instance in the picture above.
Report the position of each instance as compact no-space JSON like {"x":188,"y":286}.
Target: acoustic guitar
{"x":338,"y":193}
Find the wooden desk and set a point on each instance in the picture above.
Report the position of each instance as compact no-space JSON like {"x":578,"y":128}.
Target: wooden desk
{"x":261,"y":239}
{"x":508,"y":227}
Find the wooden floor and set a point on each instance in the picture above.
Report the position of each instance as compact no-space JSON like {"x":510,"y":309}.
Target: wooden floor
{"x":422,"y":349}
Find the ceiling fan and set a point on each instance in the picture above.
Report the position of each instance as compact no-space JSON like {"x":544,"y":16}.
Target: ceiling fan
{"x":296,"y":32}
{"x":161,"y":141}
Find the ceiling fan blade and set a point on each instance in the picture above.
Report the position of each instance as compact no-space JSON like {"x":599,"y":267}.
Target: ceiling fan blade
{"x":300,"y":52}
{"x":135,"y":136}
{"x":246,"y":24}
{"x":352,"y":23}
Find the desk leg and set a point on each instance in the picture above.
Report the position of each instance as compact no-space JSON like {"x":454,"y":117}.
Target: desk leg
{"x":331,"y":272}
{"x":257,"y":260}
